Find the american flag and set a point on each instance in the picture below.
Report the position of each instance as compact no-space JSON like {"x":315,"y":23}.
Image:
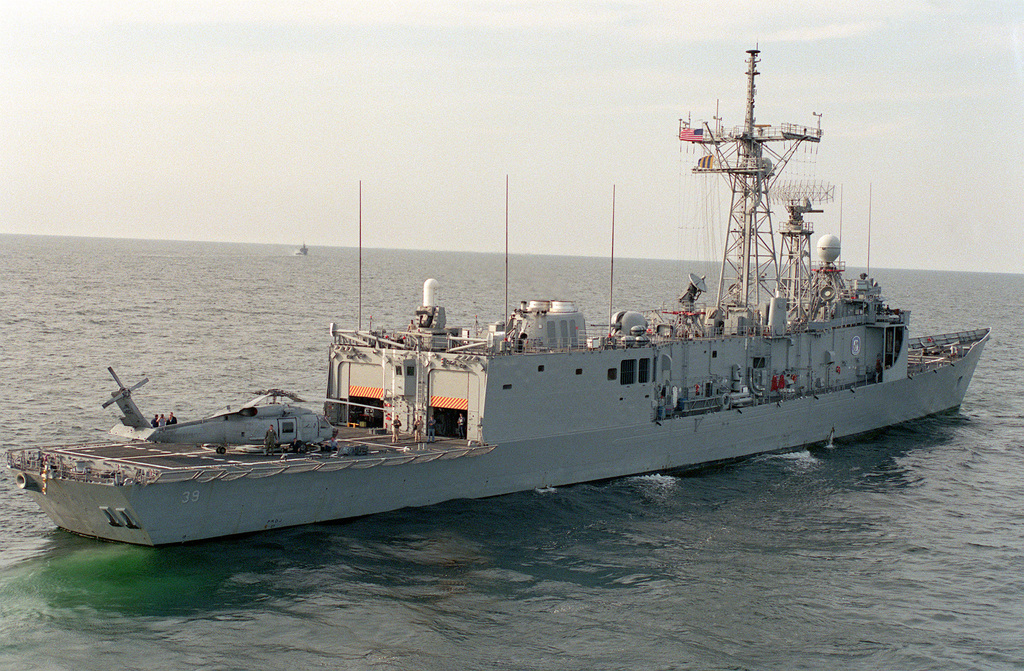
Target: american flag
{"x":691,"y":134}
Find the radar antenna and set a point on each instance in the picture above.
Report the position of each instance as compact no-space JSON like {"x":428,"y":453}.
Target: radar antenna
{"x":795,"y":279}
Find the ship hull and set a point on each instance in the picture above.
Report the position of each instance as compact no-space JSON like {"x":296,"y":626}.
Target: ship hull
{"x":186,"y":511}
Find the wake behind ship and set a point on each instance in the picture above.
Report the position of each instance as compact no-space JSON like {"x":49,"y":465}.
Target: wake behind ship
{"x":791,"y":353}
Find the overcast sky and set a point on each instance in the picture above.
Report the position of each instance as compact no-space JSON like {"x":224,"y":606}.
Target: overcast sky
{"x":255,"y":121}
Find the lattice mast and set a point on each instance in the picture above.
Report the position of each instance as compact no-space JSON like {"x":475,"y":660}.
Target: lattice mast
{"x":795,"y":279}
{"x":750,"y":269}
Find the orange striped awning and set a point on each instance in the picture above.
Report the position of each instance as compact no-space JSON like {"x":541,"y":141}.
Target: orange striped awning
{"x":365,"y":392}
{"x":449,"y":402}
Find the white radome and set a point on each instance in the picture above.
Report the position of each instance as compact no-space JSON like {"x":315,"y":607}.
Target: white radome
{"x":828,"y":248}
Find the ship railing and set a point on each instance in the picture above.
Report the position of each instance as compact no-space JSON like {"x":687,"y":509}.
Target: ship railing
{"x":537,"y":346}
{"x":928,"y":353}
{"x":50,"y":465}
{"x":799,"y":131}
{"x":937,"y":342}
{"x":716,"y":403}
{"x":786,"y":131}
{"x":26,"y":459}
{"x":381,"y":340}
{"x":890,"y":317}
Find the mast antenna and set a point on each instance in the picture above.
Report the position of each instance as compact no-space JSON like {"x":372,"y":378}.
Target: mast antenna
{"x":506,"y":250}
{"x":869,"y":227}
{"x":611,"y":274}
{"x":360,"y":255}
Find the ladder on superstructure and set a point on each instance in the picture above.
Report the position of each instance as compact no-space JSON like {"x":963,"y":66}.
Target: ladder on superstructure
{"x":422,"y":400}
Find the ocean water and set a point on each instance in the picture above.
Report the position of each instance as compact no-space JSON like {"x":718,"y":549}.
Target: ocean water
{"x":902,"y":550}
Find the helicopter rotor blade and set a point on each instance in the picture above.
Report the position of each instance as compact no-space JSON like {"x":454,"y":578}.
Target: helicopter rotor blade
{"x":116,"y":378}
{"x":279,"y":393}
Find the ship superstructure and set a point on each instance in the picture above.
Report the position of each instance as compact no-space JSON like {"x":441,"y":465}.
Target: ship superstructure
{"x":790,"y":354}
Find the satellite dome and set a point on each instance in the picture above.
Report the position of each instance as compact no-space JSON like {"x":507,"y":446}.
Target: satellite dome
{"x":828,"y":248}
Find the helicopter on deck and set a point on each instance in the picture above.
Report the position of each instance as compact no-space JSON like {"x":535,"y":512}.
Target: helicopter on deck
{"x":246,"y":425}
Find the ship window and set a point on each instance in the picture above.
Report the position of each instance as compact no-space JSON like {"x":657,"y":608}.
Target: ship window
{"x":579,"y":371}
{"x":643,"y":373}
{"x":758,"y":362}
{"x":628,"y":371}
{"x":714,"y":354}
{"x":410,"y":370}
{"x":613,"y":373}
{"x":506,"y":386}
{"x":540,"y":369}
{"x":398,"y":370}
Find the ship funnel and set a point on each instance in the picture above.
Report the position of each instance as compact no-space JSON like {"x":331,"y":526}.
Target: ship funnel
{"x":430,"y":288}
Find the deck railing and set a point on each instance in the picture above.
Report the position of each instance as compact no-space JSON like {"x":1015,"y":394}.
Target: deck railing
{"x":51,"y":465}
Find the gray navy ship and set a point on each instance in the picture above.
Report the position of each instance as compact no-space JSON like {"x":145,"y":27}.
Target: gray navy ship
{"x":791,"y":353}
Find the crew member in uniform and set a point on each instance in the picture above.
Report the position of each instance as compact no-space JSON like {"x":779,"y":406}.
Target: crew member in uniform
{"x":270,"y":440}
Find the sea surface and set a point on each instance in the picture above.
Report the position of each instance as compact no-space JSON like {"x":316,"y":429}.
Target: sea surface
{"x":901,"y":550}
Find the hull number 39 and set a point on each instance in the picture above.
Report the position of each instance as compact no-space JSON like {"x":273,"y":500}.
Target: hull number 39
{"x":190,"y":497}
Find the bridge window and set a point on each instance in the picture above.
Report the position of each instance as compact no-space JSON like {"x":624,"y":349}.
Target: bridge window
{"x":628,"y":370}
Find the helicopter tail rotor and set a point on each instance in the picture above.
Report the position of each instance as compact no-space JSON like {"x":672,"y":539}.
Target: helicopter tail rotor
{"x":131,"y":415}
